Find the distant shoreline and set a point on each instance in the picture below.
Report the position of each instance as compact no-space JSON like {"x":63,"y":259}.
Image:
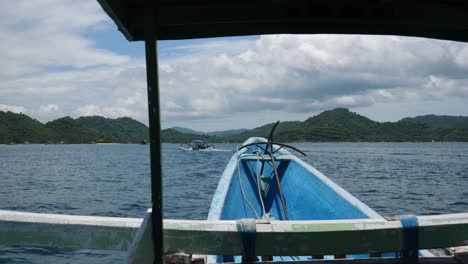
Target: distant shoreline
{"x":293,"y":142}
{"x":337,"y":125}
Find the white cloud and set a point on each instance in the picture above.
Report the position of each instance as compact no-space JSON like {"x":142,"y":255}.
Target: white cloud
{"x":89,"y":110}
{"x":12,"y":108}
{"x":305,"y":74}
{"x":47,"y":109}
{"x":109,"y":111}
{"x":49,"y":59}
{"x":48,"y":112}
{"x":49,"y":34}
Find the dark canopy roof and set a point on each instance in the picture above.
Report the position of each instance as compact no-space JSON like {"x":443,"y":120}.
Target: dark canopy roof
{"x":184,"y":19}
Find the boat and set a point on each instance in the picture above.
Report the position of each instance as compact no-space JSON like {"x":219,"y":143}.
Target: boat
{"x":264,"y":181}
{"x":197,"y":144}
{"x":152,"y":239}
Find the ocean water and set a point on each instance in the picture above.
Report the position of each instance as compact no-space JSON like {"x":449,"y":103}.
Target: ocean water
{"x":114,"y":180}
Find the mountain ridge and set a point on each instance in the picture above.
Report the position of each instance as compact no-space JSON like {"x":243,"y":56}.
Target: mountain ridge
{"x":20,"y":128}
{"x":335,"y":125}
{"x":220,"y":133}
{"x":442,"y":121}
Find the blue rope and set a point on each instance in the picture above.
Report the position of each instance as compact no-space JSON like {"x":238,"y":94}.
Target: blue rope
{"x":247,"y":229}
{"x":410,"y":238}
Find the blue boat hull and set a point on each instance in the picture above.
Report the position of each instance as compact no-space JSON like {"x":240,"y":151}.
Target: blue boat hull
{"x":308,"y":194}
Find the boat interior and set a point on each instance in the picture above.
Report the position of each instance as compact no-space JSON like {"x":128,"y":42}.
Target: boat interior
{"x":307,"y":196}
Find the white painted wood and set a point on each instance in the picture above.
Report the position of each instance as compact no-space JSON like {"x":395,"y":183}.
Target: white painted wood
{"x":313,"y":237}
{"x":17,"y":216}
{"x":422,"y":260}
{"x":221,"y":237}
{"x":90,"y":232}
{"x":141,"y":249}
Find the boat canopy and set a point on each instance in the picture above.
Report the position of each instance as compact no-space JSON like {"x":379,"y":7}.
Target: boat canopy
{"x":153,"y":20}
{"x":185,"y":19}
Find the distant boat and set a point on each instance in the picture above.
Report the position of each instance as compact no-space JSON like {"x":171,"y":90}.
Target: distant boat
{"x":144,"y":142}
{"x":197,"y":145}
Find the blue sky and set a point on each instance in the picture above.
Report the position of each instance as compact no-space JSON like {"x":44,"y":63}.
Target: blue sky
{"x":71,"y":60}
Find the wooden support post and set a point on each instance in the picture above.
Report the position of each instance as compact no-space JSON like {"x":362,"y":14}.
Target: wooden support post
{"x":154,"y":128}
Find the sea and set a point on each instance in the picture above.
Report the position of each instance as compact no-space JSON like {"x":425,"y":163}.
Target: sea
{"x":114,"y":180}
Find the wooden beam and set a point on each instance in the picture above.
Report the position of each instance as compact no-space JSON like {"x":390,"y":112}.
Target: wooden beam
{"x":67,"y":231}
{"x":296,"y":238}
{"x":141,"y":250}
{"x":151,"y":53}
{"x":303,"y":238}
{"x":422,"y":260}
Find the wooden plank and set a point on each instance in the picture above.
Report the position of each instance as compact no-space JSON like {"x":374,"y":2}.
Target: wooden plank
{"x":423,"y":260}
{"x":221,"y":237}
{"x":284,"y":238}
{"x":314,"y":237}
{"x":441,"y":231}
{"x":90,"y":232}
{"x":141,"y":249}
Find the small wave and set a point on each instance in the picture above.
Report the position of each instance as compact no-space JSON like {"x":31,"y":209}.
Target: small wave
{"x":459,"y":203}
{"x":403,"y":154}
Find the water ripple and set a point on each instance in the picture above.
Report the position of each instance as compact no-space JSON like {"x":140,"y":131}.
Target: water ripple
{"x":114,"y":180}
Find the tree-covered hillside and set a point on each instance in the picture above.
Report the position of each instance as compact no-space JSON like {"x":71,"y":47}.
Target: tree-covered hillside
{"x":329,"y":126}
{"x":70,"y":131}
{"x":171,"y":135}
{"x":343,"y":125}
{"x":121,"y":130}
{"x":20,"y":128}
{"x":16,"y":128}
{"x":442,"y":121}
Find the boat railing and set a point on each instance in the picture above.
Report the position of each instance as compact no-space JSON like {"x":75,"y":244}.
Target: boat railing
{"x":275,"y":238}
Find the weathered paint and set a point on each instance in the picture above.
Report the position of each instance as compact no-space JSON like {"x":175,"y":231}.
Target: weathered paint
{"x":221,"y":207}
{"x":221,"y":237}
{"x":422,"y":260}
{"x":309,"y":194}
{"x":338,"y":189}
{"x":90,"y":232}
{"x":154,"y":118}
{"x":141,"y":249}
{"x":311,"y":237}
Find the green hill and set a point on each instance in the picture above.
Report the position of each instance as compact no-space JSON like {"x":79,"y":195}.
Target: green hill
{"x":441,"y":121}
{"x":187,"y":130}
{"x":171,"y":135}
{"x":329,"y":126}
{"x":343,"y":125}
{"x":263,"y":131}
{"x":121,"y":130}
{"x":70,"y":131}
{"x":226,"y":133}
{"x":222,"y":133}
{"x":20,"y":128}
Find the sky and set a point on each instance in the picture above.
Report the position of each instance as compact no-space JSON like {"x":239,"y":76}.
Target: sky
{"x":67,"y":58}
